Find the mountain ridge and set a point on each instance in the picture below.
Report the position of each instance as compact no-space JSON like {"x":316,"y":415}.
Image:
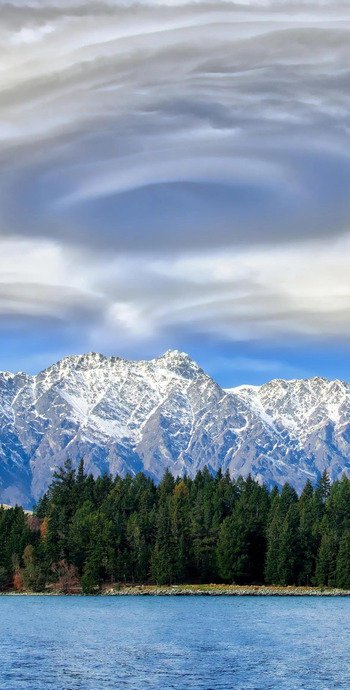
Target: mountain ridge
{"x":130,"y":415}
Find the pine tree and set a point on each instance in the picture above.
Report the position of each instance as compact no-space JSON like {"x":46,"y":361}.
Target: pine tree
{"x":93,"y":566}
{"x":325,"y":575}
{"x":80,"y":534}
{"x":307,"y":535}
{"x":343,"y":561}
{"x":138,"y":551}
{"x":273,"y":533}
{"x":225,"y":552}
{"x":232,"y":550}
{"x":323,"y":485}
{"x":207,"y":529}
{"x":289,"y":549}
{"x":163,"y":561}
{"x":81,"y":476}
{"x":180,"y":530}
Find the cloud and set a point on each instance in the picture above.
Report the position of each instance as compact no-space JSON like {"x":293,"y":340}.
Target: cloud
{"x":173,"y":168}
{"x":255,"y":366}
{"x":38,"y":280}
{"x":164,"y":126}
{"x":131,"y":304}
{"x":292,"y":292}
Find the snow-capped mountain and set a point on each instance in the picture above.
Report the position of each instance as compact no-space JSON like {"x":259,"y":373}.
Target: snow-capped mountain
{"x":125,"y":416}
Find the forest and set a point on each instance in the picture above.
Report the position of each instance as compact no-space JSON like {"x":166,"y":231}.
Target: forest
{"x":88,"y":531}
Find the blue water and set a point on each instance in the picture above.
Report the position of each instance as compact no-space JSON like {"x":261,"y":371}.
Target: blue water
{"x":186,"y":643}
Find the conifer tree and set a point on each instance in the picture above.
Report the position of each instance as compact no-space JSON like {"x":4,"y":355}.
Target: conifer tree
{"x":225,"y":552}
{"x":323,"y":485}
{"x":289,"y":549}
{"x":207,"y":529}
{"x":274,"y":528}
{"x":180,"y":529}
{"x":163,"y":566}
{"x":307,"y":534}
{"x":343,"y":562}
{"x":325,"y":574}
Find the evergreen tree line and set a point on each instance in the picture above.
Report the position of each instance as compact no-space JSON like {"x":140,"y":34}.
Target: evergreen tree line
{"x":88,"y":531}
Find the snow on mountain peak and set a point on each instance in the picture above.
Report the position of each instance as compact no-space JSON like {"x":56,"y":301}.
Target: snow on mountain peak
{"x":126,"y":416}
{"x":179,"y":363}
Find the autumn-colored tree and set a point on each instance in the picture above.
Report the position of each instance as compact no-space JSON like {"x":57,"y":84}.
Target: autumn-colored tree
{"x":44,"y":528}
{"x":206,"y":529}
{"x":18,"y":580}
{"x":32,"y":573}
{"x":67,"y":577}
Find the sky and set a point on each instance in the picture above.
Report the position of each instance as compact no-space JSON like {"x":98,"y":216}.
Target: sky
{"x":176,"y":175}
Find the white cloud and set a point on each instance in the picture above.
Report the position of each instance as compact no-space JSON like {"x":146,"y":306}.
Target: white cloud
{"x":27,"y":35}
{"x":293,"y":291}
{"x":296,"y":290}
{"x":41,"y":279}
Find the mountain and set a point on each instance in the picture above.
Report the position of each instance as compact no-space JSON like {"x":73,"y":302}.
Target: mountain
{"x":124,"y":416}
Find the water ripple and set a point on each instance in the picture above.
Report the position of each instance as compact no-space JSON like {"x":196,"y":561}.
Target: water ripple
{"x":87,"y":643}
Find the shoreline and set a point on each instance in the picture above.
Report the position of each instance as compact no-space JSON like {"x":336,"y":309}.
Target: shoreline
{"x":197,"y":590}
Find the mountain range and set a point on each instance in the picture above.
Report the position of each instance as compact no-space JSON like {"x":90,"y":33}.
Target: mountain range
{"x":125,"y":416}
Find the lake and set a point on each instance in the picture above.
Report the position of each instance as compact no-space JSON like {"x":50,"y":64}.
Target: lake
{"x":233,"y":643}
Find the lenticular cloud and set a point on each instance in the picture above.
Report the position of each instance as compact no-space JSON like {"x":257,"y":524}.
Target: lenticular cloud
{"x":226,"y":107}
{"x":140,"y":131}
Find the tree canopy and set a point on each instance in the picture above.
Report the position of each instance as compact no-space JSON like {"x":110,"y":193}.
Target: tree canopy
{"x":87,"y":531}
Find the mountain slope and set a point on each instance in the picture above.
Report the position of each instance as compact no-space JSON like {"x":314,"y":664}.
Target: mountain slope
{"x":130,"y":416}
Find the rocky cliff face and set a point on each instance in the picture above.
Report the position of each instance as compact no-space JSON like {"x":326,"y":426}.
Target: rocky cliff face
{"x":124,"y":416}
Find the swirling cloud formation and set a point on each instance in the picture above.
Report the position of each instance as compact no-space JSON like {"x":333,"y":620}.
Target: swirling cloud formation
{"x":175,"y":169}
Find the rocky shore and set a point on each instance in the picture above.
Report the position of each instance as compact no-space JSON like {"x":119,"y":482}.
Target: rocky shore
{"x":223,"y":590}
{"x":198,"y":590}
